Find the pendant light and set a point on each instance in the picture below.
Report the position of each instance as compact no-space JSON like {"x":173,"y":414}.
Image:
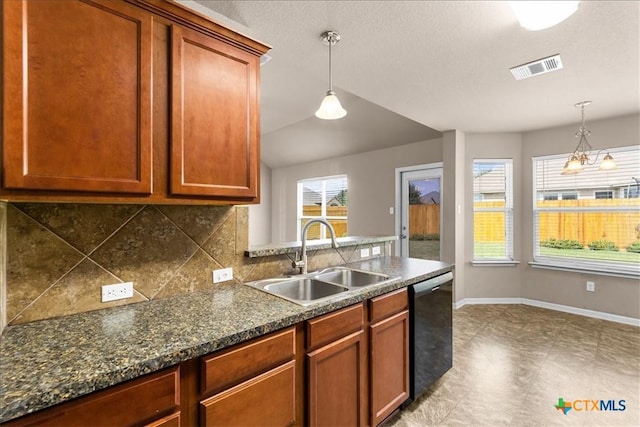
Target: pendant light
{"x":582,"y":154}
{"x":330,"y":108}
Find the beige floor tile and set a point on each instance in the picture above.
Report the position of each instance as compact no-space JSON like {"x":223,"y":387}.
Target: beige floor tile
{"x":512,"y":363}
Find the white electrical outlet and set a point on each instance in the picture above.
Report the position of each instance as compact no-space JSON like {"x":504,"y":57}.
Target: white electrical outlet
{"x":375,"y":250}
{"x":117,"y":291}
{"x":591,"y":286}
{"x":364,"y":253}
{"x":222,"y":275}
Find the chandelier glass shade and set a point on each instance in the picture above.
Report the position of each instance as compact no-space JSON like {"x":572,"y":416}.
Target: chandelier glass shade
{"x":582,"y":155}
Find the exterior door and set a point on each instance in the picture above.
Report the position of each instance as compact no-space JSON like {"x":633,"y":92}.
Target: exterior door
{"x":420,"y":211}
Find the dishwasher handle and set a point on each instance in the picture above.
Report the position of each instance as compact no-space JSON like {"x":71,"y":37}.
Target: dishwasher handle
{"x":432,"y":285}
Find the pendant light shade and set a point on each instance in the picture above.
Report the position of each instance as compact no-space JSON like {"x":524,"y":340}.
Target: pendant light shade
{"x":330,"y":108}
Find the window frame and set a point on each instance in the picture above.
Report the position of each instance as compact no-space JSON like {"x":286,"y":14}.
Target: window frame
{"x":591,"y":266}
{"x":323,"y":209}
{"x":509,"y":215}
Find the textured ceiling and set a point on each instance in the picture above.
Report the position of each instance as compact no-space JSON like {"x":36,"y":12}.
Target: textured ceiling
{"x":442,"y":64}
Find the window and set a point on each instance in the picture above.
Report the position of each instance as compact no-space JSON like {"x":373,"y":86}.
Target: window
{"x":324,"y":198}
{"x":603,"y":194}
{"x":569,"y":196}
{"x":598,"y":230}
{"x":493,"y":210}
{"x":551,"y":196}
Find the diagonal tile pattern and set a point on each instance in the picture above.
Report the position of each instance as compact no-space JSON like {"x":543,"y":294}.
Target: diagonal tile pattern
{"x":513,"y":362}
{"x":148,"y":251}
{"x":59,"y":255}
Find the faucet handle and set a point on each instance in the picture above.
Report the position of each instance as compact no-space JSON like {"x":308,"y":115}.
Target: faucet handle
{"x":297,"y":263}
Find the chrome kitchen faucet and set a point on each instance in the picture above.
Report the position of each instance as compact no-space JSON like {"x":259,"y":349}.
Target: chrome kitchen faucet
{"x":302,"y":262}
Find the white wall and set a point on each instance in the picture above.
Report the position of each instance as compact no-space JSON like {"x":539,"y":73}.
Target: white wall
{"x":613,"y":294}
{"x":260,"y":215}
{"x":371,"y":178}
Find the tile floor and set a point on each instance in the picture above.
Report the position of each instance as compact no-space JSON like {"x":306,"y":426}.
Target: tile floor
{"x":513,"y":362}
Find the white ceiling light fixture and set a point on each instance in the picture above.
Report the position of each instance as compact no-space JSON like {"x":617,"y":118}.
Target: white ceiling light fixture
{"x":540,"y":15}
{"x":330,"y":108}
{"x":581,"y":154}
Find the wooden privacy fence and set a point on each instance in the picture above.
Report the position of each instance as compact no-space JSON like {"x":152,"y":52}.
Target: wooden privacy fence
{"x":339,"y":225}
{"x":424,"y":219}
{"x":621,"y":228}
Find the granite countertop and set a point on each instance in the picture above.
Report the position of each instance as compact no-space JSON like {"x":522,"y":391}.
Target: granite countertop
{"x":48,"y":362}
{"x":291,"y":247}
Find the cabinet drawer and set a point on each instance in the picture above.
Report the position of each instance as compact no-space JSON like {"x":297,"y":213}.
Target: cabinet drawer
{"x":333,"y":326}
{"x":268,"y":399}
{"x":388,"y":304}
{"x":132,"y":403}
{"x":172,"y":420}
{"x":239,"y":363}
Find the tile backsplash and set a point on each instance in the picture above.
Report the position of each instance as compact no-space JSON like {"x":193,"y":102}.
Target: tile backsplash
{"x":59,"y":255}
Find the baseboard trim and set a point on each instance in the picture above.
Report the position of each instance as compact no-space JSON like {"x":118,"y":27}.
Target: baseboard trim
{"x":551,"y":306}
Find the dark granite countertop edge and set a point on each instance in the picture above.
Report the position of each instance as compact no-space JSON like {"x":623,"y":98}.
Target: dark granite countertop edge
{"x":292,"y":247}
{"x":14,"y":408}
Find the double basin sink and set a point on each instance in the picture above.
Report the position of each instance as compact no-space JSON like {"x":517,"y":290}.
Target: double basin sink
{"x":316,"y":287}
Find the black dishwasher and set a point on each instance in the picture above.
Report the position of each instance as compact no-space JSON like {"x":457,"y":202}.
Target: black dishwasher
{"x":431,"y":331}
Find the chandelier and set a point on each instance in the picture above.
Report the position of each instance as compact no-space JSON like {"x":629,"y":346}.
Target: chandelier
{"x":582,"y":154}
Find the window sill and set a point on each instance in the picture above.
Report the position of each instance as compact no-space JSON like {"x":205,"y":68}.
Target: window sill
{"x":584,"y":269}
{"x":496,"y":263}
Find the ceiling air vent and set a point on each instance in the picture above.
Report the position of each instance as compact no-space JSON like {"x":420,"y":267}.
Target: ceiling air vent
{"x":540,"y":66}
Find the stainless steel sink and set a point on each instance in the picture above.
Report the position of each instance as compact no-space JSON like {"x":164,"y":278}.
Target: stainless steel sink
{"x":316,"y":287}
{"x":350,"y":278}
{"x":302,"y":291}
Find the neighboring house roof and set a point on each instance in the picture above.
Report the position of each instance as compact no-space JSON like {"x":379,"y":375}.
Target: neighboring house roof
{"x":548,"y":175}
{"x":490,"y":182}
{"x":310,"y":197}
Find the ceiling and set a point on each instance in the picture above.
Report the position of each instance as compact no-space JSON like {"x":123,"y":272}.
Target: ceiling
{"x":407,"y":70}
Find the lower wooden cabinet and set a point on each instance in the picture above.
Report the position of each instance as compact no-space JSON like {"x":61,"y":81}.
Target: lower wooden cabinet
{"x":349,"y":367}
{"x":336,"y":367}
{"x":388,"y":354}
{"x":172,"y":420}
{"x":137,"y":402}
{"x":253,"y":383}
{"x":336,"y":383}
{"x":267,"y":400}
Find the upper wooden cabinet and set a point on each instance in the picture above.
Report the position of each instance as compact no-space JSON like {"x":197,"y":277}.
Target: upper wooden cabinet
{"x":127,"y":101}
{"x":214,"y":117}
{"x":77,"y":96}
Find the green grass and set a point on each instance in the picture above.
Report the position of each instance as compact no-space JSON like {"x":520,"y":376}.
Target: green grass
{"x":425,"y":249}
{"x":619,"y":256}
{"x":488,"y":250}
{"x":496,"y":250}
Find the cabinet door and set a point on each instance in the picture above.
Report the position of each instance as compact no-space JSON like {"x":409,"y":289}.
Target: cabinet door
{"x":337,"y":383}
{"x":214,"y":117}
{"x":266,"y":400}
{"x":389,"y":363}
{"x":134,"y":402}
{"x":77,"y":96}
